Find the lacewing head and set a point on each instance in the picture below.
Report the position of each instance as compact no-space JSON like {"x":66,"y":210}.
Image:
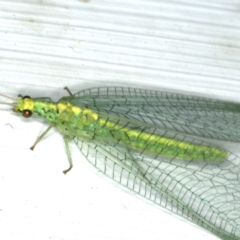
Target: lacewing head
{"x":22,"y":105}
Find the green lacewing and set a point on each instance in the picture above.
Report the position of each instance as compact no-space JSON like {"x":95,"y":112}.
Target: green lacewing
{"x":167,"y":147}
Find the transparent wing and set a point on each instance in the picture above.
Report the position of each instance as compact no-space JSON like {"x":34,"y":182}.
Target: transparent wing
{"x":182,"y":113}
{"x":206,"y":194}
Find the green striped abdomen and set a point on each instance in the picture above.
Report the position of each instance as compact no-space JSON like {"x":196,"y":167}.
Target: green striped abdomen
{"x":169,"y":147}
{"x":162,"y":146}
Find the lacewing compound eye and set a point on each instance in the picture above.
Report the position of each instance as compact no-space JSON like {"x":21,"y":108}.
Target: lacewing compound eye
{"x":27,"y":113}
{"x":26,"y":97}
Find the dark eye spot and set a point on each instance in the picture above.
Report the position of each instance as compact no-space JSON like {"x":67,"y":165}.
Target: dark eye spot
{"x":27,"y":113}
{"x":26,"y":97}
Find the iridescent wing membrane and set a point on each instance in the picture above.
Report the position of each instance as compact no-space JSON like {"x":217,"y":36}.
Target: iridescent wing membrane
{"x":206,"y":193}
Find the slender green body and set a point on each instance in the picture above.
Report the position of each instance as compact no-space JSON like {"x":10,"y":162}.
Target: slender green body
{"x":86,"y":124}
